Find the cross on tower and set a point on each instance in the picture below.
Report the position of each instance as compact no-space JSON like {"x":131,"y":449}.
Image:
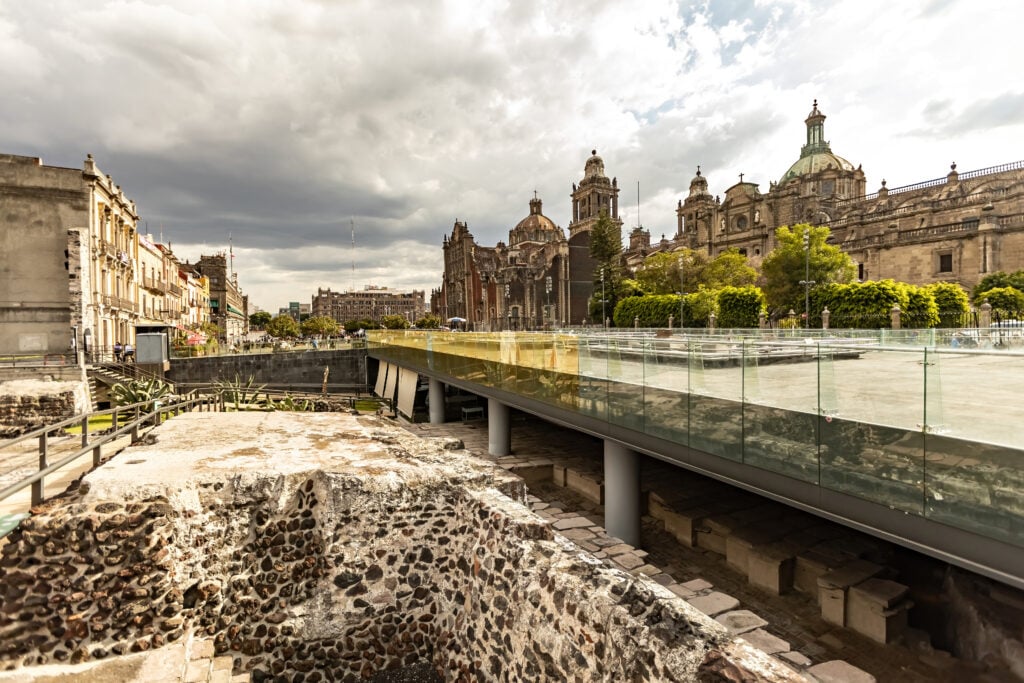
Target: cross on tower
{"x":741,"y":177}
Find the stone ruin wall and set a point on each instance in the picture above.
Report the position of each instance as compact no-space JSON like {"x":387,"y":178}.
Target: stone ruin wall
{"x":320,"y":577}
{"x":29,"y":404}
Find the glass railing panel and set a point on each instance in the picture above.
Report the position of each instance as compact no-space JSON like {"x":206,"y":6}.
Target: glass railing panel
{"x":780,"y":423}
{"x":975,"y":486}
{"x":666,"y":379}
{"x":974,"y":466}
{"x":872,"y":439}
{"x":626,"y":382}
{"x":593,"y":388}
{"x":975,"y":395}
{"x":716,"y":397}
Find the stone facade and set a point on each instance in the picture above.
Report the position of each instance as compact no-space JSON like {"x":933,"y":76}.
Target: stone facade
{"x":228,"y":306}
{"x":370,"y":303}
{"x":331,"y":547}
{"x":74,"y":271}
{"x":541,"y":279}
{"x":957,"y":228}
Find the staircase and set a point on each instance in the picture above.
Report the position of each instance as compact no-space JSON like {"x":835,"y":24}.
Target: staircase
{"x":104,"y":375}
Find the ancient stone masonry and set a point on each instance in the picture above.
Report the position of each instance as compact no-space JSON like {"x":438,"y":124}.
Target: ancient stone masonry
{"x":325,"y":547}
{"x":28,"y":404}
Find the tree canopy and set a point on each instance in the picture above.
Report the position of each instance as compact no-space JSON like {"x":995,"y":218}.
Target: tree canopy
{"x":660,"y":272}
{"x":259,"y":320}
{"x":319,"y":325}
{"x":283,"y":327}
{"x":783,"y":269}
{"x":606,"y":250}
{"x":997,"y":280}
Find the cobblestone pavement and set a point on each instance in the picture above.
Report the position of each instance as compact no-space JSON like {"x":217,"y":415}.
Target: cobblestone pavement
{"x":793,"y":617}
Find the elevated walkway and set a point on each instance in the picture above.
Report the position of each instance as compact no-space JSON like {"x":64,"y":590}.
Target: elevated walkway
{"x":897,"y":434}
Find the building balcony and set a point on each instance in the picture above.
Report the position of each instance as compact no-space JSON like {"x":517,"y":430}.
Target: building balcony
{"x":174,"y":289}
{"x":153,"y":284}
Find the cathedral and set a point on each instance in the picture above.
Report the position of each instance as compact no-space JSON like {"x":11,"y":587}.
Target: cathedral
{"x":955,"y":228}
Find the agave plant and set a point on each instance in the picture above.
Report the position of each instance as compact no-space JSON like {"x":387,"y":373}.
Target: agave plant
{"x":241,"y":396}
{"x":139,"y":390}
{"x":290,"y":403}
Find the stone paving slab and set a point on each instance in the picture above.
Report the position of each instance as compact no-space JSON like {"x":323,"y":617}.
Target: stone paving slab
{"x":766,"y":642}
{"x":740,"y":621}
{"x":714,"y":603}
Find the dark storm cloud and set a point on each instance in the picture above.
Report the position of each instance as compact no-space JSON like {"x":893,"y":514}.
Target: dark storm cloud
{"x":278,"y":122}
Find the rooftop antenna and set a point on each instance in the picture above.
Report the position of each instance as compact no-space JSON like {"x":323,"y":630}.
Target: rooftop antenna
{"x":638,"y":223}
{"x":353,"y":254}
{"x":231,"y":252}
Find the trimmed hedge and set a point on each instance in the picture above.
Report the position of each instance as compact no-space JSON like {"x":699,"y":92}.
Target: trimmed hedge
{"x":740,"y":306}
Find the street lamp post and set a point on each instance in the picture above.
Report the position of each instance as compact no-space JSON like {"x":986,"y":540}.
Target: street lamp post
{"x":807,"y":281}
{"x":604,"y":321}
{"x":681,"y":291}
{"x":547,"y":291}
{"x":508,"y":310}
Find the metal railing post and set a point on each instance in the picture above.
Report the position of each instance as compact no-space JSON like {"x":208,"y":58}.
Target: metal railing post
{"x":85,"y":431}
{"x":37,"y":487}
{"x":135,"y":426}
{"x":113,"y":420}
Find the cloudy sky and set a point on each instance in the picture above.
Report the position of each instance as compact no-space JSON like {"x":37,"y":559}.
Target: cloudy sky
{"x":283,"y":122}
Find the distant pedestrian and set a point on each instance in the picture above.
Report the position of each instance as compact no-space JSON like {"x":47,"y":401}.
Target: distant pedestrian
{"x":118,"y":351}
{"x":129,"y":353}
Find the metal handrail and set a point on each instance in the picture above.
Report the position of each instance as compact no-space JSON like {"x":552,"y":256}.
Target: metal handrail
{"x":36,"y":481}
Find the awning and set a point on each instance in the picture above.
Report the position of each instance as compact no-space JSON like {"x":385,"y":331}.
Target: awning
{"x":232,"y":309}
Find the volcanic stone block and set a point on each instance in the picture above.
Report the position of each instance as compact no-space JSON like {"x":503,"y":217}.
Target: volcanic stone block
{"x":877,"y":608}
{"x":558,"y":474}
{"x":586,"y":484}
{"x":771,"y":567}
{"x":814,"y":563}
{"x":832,"y":588}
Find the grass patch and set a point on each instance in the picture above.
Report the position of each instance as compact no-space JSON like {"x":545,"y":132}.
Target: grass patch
{"x":97,"y":423}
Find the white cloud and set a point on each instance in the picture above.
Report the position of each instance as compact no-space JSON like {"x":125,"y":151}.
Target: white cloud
{"x":278,"y":121}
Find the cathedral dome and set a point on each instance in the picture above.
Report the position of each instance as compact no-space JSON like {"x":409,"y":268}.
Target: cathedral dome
{"x":816,"y":155}
{"x":535,"y":228}
{"x":818,"y":161}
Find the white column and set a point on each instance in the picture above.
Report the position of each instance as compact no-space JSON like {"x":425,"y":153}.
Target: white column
{"x":621,"y":492}
{"x":435,"y":398}
{"x":499,"y":428}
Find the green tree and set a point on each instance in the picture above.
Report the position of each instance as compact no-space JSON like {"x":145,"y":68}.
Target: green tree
{"x":394,"y":322}
{"x":259,"y":320}
{"x":728,"y":269}
{"x":784,"y":268}
{"x":659,"y":274}
{"x":951,"y":300}
{"x":995,"y":280}
{"x":283,"y":327}
{"x":429,"y":322}
{"x":1005,"y":301}
{"x":606,"y":250}
{"x":319,"y":325}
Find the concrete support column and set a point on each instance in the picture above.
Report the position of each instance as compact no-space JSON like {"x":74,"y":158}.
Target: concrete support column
{"x":499,"y":428}
{"x":622,"y":492}
{"x":435,"y":398}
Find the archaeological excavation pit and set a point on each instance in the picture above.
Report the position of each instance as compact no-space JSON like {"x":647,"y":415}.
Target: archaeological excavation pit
{"x":326,"y":547}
